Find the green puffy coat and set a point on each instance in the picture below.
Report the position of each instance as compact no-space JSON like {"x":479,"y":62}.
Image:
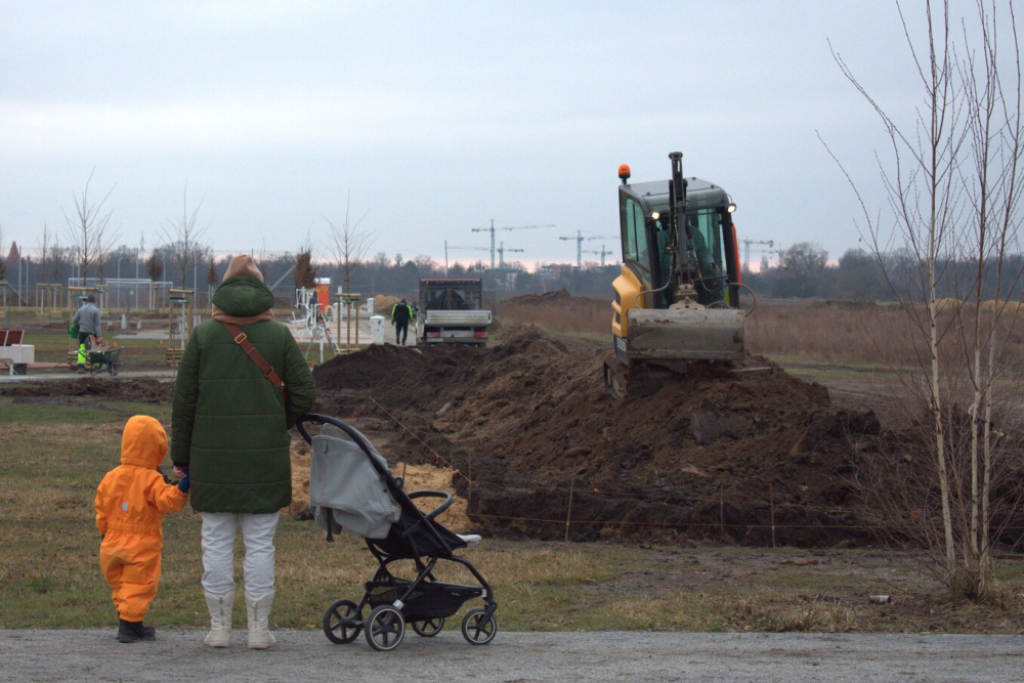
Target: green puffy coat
{"x":230,"y":425}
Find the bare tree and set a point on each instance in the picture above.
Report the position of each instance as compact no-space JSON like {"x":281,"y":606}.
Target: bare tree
{"x":183,"y":235}
{"x":426,"y":265}
{"x":154,"y":268}
{"x":953,"y":186}
{"x":349,"y":243}
{"x":305,"y":271}
{"x":262,"y":255}
{"x":3,"y":256}
{"x":86,"y":231}
{"x":59,"y":257}
{"x":44,"y":252}
{"x":104,"y":241}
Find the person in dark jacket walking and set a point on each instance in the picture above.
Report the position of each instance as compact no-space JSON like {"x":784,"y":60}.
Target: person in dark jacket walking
{"x":89,"y":321}
{"x":401,"y":315}
{"x":229,"y":431}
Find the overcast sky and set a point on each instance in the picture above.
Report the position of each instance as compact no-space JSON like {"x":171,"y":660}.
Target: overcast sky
{"x":437,"y":117}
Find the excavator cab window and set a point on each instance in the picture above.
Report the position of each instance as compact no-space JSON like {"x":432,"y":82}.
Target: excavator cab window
{"x":635,"y":234}
{"x":707,"y":256}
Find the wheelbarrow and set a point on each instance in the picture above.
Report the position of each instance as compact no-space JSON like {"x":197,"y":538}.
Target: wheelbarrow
{"x":110,"y":357}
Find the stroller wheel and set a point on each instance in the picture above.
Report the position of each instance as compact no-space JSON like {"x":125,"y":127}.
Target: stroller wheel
{"x":385,"y":628}
{"x":478,"y":628}
{"x":341,"y":622}
{"x":428,"y":628}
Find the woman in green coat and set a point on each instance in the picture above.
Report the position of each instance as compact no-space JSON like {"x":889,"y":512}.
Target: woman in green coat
{"x":229,"y":430}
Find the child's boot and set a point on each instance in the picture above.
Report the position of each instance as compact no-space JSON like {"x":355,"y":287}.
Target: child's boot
{"x":258,"y":609}
{"x":220,"y":619}
{"x":134,"y":631}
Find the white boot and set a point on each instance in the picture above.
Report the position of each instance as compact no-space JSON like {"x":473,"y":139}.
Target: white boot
{"x":220,"y":619}
{"x":260,"y":637}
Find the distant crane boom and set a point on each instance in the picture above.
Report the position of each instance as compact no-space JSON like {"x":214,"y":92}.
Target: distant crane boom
{"x":604,"y":252}
{"x":501,"y":254}
{"x":454,"y":248}
{"x":746,"y":249}
{"x":511,"y":227}
{"x":579,"y":244}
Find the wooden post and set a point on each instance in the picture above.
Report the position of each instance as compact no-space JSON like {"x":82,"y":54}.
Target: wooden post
{"x":568,"y":512}
{"x":771,"y":505}
{"x":721,"y":510}
{"x":339,"y":303}
{"x":357,"y":325}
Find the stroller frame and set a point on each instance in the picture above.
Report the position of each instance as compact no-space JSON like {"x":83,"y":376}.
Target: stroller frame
{"x":423,"y":601}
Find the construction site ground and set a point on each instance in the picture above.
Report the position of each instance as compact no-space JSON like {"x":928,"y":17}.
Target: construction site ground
{"x":679,"y":481}
{"x":540,"y":450}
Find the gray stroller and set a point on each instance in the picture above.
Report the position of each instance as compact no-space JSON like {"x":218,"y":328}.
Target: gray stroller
{"x":351,"y":488}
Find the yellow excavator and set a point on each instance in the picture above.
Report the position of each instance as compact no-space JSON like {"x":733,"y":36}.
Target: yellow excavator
{"x":677,"y":297}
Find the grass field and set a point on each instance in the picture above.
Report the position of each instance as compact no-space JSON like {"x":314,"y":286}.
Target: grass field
{"x":55,"y":453}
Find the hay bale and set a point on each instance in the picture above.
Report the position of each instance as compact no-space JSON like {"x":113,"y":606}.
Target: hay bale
{"x":300,"y":483}
{"x":417,"y":478}
{"x":382,"y":304}
{"x":422,"y":477}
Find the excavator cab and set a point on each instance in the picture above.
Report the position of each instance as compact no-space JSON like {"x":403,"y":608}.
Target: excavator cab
{"x":677,"y":297}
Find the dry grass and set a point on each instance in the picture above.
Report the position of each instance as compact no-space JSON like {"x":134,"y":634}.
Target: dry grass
{"x":576,"y":315}
{"x":874,"y":336}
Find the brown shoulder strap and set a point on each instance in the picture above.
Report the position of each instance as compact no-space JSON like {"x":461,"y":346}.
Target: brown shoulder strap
{"x":266,"y":368}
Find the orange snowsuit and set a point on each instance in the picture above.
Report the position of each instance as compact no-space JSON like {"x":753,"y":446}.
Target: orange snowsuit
{"x":130,"y":506}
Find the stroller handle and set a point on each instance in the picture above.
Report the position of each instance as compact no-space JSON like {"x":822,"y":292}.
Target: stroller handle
{"x":434,"y":494}
{"x":315,"y":418}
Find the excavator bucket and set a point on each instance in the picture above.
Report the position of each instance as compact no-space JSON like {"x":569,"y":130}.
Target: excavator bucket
{"x":685,"y":334}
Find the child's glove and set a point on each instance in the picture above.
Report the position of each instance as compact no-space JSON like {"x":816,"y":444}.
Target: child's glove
{"x":184,"y":484}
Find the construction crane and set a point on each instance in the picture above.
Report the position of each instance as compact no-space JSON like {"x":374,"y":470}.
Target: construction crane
{"x":579,"y":244}
{"x":746,"y":250}
{"x":604,"y":252}
{"x":501,"y":254}
{"x":454,"y":248}
{"x":513,"y":227}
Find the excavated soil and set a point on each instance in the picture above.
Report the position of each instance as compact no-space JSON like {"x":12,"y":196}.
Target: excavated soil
{"x":146,"y":390}
{"x":714,"y":453}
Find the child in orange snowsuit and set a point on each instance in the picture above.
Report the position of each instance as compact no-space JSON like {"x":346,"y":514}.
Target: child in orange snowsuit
{"x":130,"y":506}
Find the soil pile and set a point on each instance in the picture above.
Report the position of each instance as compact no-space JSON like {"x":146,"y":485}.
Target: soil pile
{"x":710,"y":453}
{"x":146,"y":390}
{"x":539,"y":299}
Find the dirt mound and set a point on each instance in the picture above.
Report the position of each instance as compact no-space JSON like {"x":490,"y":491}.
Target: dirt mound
{"x":712,"y":452}
{"x":538,"y":299}
{"x":148,"y":390}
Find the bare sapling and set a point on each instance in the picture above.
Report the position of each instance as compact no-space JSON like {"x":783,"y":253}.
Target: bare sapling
{"x":953,"y":183}
{"x":183,"y":237}
{"x":87,"y":229}
{"x":349,"y":243}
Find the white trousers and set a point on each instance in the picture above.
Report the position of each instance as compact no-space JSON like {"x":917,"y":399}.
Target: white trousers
{"x":219,"y":552}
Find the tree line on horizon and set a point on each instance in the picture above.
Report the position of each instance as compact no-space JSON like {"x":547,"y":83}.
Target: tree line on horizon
{"x":803,"y":271}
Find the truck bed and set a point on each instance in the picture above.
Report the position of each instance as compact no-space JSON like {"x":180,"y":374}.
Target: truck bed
{"x":457,"y":318}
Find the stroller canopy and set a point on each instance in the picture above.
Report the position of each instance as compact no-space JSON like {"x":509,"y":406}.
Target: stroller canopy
{"x":343,"y":479}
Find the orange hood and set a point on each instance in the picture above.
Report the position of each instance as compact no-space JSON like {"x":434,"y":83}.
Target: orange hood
{"x":144,"y":442}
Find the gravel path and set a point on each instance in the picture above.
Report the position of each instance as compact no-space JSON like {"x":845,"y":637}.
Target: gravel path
{"x":308,"y":656}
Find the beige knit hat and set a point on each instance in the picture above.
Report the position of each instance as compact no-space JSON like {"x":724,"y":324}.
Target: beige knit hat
{"x":243,"y":265}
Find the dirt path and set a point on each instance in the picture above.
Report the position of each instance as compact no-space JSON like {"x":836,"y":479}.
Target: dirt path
{"x":615,"y":656}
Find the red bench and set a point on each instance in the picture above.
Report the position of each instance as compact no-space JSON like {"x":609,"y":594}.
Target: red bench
{"x":11,"y":337}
